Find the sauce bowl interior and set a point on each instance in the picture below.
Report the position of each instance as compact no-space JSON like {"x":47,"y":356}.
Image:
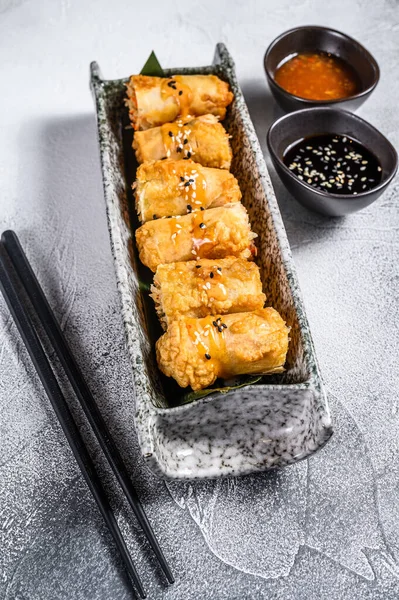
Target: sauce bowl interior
{"x":316,"y":121}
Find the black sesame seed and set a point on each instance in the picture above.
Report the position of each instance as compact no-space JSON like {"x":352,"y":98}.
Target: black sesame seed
{"x":171,"y":133}
{"x":220,"y":329}
{"x":187,"y":184}
{"x":197,"y":266}
{"x":171,"y":83}
{"x":202,"y":225}
{"x":154,"y":217}
{"x":178,"y":149}
{"x":185,"y":141}
{"x":185,"y":124}
{"x":208,"y":356}
{"x":189,"y":207}
{"x":211,"y":275}
{"x":224,"y":325}
{"x":188,"y":154}
{"x":180,"y":93}
{"x":202,"y":208}
{"x":181,"y":178}
{"x":191,"y":180}
{"x":214,"y":323}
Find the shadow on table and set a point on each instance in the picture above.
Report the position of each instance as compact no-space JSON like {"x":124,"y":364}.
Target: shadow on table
{"x":300,"y":223}
{"x":67,"y":243}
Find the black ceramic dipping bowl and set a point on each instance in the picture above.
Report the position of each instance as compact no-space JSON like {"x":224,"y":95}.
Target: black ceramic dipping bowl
{"x":321,"y":39}
{"x":317,"y":121}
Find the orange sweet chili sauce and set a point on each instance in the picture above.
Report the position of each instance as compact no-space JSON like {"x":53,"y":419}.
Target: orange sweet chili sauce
{"x":317,"y":76}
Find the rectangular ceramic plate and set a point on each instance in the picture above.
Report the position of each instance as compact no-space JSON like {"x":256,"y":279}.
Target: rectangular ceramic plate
{"x":274,"y":423}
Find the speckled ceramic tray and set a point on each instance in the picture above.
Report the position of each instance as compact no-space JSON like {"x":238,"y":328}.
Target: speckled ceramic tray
{"x":274,"y":423}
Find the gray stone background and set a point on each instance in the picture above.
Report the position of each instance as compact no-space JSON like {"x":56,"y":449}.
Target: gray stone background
{"x":325,"y":528}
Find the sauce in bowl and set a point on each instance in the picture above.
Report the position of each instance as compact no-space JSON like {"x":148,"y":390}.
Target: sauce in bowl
{"x":334,"y":163}
{"x":317,"y":76}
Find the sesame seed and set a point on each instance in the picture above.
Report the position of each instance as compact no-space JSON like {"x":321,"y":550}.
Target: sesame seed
{"x":211,"y":275}
{"x":208,"y":356}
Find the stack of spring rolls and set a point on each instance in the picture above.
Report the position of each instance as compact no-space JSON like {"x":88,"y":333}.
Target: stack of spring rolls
{"x":196,"y":236}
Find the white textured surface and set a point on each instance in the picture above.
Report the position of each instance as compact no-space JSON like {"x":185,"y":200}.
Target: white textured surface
{"x":326,"y":528}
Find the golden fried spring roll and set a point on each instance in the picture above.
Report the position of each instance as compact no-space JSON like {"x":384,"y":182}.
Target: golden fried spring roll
{"x":164,"y":188}
{"x":197,"y":351}
{"x":204,"y":140}
{"x":206,"y":287}
{"x":153,"y":101}
{"x":212,"y":233}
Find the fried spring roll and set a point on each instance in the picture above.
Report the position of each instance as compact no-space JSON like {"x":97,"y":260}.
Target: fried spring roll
{"x":197,"y":351}
{"x":204,"y":140}
{"x":153,"y":101}
{"x":206,"y":287}
{"x":164,"y":188}
{"x":213,"y":233}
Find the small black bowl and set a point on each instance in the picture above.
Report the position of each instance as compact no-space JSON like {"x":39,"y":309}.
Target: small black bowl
{"x":321,"y":39}
{"x":317,"y":121}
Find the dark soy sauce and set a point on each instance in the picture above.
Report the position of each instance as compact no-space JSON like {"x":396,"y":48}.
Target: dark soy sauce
{"x":334,"y":163}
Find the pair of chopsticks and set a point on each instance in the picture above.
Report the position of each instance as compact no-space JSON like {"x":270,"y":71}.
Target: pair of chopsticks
{"x":14,"y":271}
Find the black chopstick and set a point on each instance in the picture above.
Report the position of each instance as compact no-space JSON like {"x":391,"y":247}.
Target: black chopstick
{"x":75,"y":376}
{"x":53,"y":390}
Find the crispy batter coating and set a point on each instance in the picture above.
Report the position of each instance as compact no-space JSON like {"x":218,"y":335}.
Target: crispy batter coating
{"x":213,"y":233}
{"x":153,"y":101}
{"x":207,"y":142}
{"x":163,"y":188}
{"x":206,"y":287}
{"x":196,"y":351}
